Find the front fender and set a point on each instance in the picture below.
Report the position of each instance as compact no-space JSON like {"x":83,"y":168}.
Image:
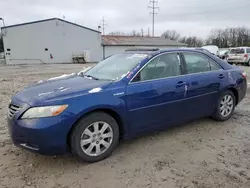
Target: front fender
{"x":101,"y":101}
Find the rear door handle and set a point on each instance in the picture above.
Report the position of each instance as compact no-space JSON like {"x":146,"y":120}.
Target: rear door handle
{"x":181,"y":84}
{"x":221,"y":76}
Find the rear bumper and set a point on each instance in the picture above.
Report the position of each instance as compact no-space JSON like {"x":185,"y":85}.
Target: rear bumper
{"x":237,"y":61}
{"x":242,"y":90}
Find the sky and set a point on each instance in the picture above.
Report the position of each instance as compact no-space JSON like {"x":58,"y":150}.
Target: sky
{"x":188,"y":17}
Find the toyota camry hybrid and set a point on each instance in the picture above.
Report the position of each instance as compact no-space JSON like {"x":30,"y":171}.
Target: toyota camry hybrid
{"x":123,"y":96}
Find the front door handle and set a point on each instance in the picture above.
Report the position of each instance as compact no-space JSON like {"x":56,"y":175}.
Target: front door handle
{"x":181,"y":84}
{"x":221,"y":76}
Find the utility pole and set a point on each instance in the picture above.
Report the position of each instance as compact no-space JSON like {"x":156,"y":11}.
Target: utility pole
{"x":142,"y":32}
{"x":104,"y":24}
{"x":154,"y":7}
{"x":148,"y":32}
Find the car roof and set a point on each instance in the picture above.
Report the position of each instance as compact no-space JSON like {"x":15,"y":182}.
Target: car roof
{"x":224,"y":64}
{"x":156,"y":52}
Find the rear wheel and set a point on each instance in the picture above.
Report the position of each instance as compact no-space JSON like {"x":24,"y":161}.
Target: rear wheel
{"x":94,"y":137}
{"x":225,"y":106}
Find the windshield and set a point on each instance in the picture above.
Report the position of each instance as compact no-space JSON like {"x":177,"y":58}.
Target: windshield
{"x":115,"y":67}
{"x":237,"y":51}
{"x":222,"y":52}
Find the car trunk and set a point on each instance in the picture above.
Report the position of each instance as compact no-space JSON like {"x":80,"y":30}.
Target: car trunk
{"x":237,"y":54}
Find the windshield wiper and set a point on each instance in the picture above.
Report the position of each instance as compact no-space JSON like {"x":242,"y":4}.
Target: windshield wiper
{"x":89,"y":76}
{"x":93,"y":77}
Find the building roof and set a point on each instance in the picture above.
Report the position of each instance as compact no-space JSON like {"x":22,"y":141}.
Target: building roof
{"x":51,"y":19}
{"x":110,"y":40}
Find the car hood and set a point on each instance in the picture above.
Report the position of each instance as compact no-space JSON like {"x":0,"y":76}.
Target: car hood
{"x":65,"y":86}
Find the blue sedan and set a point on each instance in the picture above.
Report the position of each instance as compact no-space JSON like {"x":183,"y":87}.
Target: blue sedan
{"x":123,"y":96}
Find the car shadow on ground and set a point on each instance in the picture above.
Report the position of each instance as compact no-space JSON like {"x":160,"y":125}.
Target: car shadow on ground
{"x":126,"y":148}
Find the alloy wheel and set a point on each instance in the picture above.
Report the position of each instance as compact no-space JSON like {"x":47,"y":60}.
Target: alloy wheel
{"x":226,"y":105}
{"x":96,"y":138}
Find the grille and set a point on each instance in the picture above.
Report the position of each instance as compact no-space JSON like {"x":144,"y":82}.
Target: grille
{"x":13,"y":109}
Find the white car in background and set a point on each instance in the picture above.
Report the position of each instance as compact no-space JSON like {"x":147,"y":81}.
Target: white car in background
{"x":239,"y":55}
{"x":223,"y":53}
{"x":212,"y":49}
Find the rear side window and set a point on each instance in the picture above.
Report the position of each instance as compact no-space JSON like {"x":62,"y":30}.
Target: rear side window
{"x":197,"y":63}
{"x":248,"y":50}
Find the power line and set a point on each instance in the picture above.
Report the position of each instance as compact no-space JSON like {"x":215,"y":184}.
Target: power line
{"x":104,"y":24}
{"x":154,"y":7}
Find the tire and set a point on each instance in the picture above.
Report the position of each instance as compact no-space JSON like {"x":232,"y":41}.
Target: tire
{"x":218,"y":115}
{"x":85,"y":132}
{"x":248,"y":63}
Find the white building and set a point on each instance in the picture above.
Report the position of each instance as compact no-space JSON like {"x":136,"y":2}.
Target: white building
{"x":50,"y":41}
{"x":118,"y":44}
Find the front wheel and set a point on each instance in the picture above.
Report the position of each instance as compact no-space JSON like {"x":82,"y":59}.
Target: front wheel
{"x":225,"y":106}
{"x":94,"y":137}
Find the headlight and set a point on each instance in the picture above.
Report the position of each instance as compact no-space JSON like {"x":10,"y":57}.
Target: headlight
{"x":46,"y":111}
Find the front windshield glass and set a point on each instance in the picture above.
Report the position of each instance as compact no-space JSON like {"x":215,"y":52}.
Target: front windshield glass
{"x":222,"y":52}
{"x":115,"y":67}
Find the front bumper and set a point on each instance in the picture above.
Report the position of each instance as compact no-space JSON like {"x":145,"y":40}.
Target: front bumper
{"x":47,"y":136}
{"x":51,"y":140}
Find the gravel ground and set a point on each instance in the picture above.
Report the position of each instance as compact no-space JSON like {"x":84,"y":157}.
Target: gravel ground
{"x":202,"y":153}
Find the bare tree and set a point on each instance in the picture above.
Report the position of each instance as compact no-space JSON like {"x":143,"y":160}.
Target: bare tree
{"x":223,"y":38}
{"x":235,"y":36}
{"x":117,"y":33}
{"x":192,"y":41}
{"x":135,"y":34}
{"x":171,"y":34}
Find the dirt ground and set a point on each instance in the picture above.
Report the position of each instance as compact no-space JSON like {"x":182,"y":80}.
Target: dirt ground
{"x":199,"y":154}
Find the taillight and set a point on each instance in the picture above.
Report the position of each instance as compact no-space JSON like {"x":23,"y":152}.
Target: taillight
{"x":244,"y":74}
{"x":246,"y":55}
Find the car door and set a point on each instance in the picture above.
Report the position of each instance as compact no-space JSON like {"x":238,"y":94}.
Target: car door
{"x":205,"y":78}
{"x":155,"y":94}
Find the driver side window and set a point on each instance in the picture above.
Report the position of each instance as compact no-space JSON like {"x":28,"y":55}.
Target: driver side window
{"x":163,"y":66}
